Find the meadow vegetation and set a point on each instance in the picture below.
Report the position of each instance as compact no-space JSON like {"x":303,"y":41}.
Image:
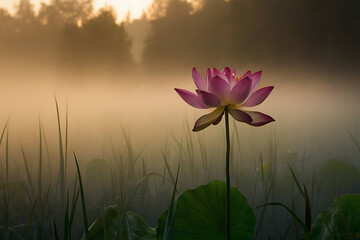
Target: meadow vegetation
{"x":62,"y":173}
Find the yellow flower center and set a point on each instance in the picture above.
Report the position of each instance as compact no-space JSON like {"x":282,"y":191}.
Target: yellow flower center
{"x":236,"y":78}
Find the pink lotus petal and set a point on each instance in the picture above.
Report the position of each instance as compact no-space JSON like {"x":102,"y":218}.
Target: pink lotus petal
{"x":209,"y":99}
{"x":227,"y":89}
{"x":208,"y":119}
{"x":259,"y":119}
{"x":240,"y":91}
{"x":255,"y":80}
{"x":191,"y":99}
{"x":218,"y":120}
{"x":215,"y":72}
{"x":240,"y":115}
{"x":228,"y":74}
{"x":219,"y":87}
{"x":198,"y":80}
{"x":233,"y":77}
{"x":248,"y":73}
{"x":258,"y":97}
{"x":208,"y":75}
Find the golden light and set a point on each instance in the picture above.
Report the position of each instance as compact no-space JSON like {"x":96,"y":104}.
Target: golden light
{"x":121,"y":7}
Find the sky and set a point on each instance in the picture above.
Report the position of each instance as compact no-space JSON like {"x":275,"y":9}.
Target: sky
{"x":121,"y":6}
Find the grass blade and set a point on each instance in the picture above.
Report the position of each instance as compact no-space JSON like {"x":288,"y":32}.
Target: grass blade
{"x":72,"y":213}
{"x":128,"y":228}
{"x":7,"y":156}
{"x":307,"y":210}
{"x":82,"y":200}
{"x":354,"y":140}
{"x":3,"y":131}
{"x":66,"y":218}
{"x":27,"y":233}
{"x":66,"y":137}
{"x":40,"y":162}
{"x":6,"y":233}
{"x":73,"y":207}
{"x":28,"y":172}
{"x":170,"y":218}
{"x":167,"y":166}
{"x":292,"y":214}
{"x":145,"y":178}
{"x":296,"y":180}
{"x":120,"y":217}
{"x":55,"y":231}
{"x":47,"y":154}
{"x":62,"y":161}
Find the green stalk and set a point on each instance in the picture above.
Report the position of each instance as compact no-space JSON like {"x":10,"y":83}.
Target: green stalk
{"x":227,"y":173}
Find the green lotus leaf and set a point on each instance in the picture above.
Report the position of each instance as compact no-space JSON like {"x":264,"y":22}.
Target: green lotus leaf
{"x":339,"y":176}
{"x":341,"y":221}
{"x":201,"y":215}
{"x":97,"y":167}
{"x":106,"y":227}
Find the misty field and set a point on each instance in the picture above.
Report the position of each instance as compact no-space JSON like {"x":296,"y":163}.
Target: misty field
{"x":103,"y":134}
{"x":130,"y":142}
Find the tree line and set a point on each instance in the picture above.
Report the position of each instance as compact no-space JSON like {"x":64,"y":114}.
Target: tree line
{"x":66,"y":33}
{"x":276,"y":32}
{"x":217,"y":32}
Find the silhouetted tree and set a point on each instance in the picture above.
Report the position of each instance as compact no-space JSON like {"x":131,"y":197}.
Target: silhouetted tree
{"x":25,"y":12}
{"x":7,"y":31}
{"x":169,"y":35}
{"x":20,"y":32}
{"x":61,"y":12}
{"x":220,"y":32}
{"x":295,"y":32}
{"x":254,"y":32}
{"x":211,"y":31}
{"x":7,"y":23}
{"x":100,"y":42}
{"x":157,"y":9}
{"x":185,"y":38}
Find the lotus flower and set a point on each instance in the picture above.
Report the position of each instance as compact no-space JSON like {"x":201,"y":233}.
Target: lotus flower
{"x":227,"y":89}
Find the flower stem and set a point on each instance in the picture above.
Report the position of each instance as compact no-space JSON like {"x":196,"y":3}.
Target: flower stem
{"x":227,"y":173}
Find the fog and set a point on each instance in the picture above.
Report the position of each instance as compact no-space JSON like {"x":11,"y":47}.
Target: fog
{"x":312,"y":115}
{"x":112,"y":78}
{"x":114,"y":84}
